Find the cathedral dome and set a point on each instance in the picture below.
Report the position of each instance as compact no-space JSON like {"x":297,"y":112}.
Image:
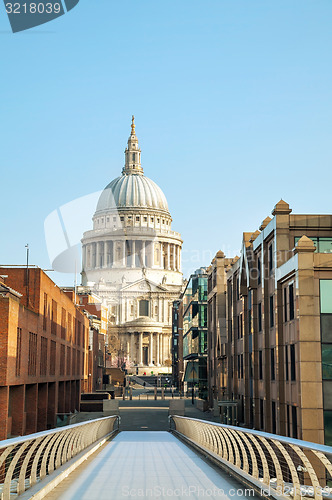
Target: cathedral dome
{"x":132,"y":190}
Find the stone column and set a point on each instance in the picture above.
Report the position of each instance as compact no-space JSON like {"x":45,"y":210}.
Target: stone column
{"x":161,"y":349}
{"x":158,"y":349}
{"x":111,"y":252}
{"x":133,"y":254}
{"x":179,"y":258}
{"x":168,"y":264}
{"x":90,"y":255}
{"x":105,"y":254}
{"x":97,"y":254}
{"x":151,"y":350}
{"x":143,"y":253}
{"x":140,"y":349}
{"x":132,"y":355}
{"x":124,"y":253}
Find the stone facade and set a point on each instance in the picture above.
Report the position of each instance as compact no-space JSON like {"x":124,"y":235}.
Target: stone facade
{"x":279,"y":341}
{"x":132,"y":260}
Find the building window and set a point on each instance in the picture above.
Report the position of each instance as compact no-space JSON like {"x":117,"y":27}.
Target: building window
{"x":260,"y":317}
{"x":294,"y":422}
{"x":271,"y":311}
{"x":288,"y":420}
{"x":121,"y":218}
{"x":274,"y":418}
{"x":271,"y":257}
{"x":63,"y":323}
{"x":137,"y":218}
{"x":45,"y":312}
{"x":286,"y":362}
{"x":144,"y":308}
{"x":285,"y":305}
{"x":68,"y":360}
{"x":54,"y":318}
{"x":70,"y":327}
{"x":152,"y":219}
{"x":32,"y":360}
{"x":273,"y":374}
{"x":261,"y":413}
{"x":260,"y":364}
{"x":145,"y":219}
{"x":53,"y":358}
{"x":241,"y":325}
{"x":43,"y":356}
{"x":62,"y":359}
{"x":327,"y":361}
{"x":158,"y":220}
{"x":292,"y":361}
{"x":259,"y":277}
{"x":18,"y":351}
{"x":291,"y":302}
{"x":242,"y":373}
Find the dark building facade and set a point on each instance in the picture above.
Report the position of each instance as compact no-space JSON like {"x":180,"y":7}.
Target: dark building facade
{"x":194,"y":341}
{"x":177,"y":344}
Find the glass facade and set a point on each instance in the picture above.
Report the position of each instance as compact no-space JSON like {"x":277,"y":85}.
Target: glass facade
{"x":326,"y":338}
{"x":323,"y":245}
{"x":195,"y":331}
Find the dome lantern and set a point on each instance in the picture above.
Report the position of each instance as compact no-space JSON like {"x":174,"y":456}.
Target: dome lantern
{"x":132,"y":154}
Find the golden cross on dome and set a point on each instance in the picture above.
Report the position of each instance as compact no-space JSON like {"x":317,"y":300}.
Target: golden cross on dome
{"x":133,"y":125}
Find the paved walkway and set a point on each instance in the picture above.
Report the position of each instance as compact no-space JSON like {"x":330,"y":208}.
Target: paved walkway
{"x":149,"y":465}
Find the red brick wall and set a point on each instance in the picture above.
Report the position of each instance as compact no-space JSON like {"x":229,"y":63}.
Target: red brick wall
{"x":42,"y":398}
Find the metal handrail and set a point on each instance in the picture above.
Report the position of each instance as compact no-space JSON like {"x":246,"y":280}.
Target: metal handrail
{"x":278,"y":466}
{"x":25,"y":460}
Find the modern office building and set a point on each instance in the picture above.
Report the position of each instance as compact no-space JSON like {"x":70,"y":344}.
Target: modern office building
{"x":132,"y":260}
{"x":194,"y":320}
{"x":177,"y":344}
{"x":43,"y":352}
{"x":279,"y":324}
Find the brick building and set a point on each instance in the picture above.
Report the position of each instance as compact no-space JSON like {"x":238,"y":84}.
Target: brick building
{"x":97,"y":313}
{"x":43,"y":352}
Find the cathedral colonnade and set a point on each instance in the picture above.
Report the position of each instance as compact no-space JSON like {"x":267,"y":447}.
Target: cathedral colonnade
{"x":135,"y":253}
{"x":148,"y":348}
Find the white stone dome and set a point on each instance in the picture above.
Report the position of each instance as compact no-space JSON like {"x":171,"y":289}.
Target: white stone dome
{"x":130,"y":191}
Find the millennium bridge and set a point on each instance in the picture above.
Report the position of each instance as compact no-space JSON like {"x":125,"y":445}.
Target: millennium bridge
{"x":192,"y":459}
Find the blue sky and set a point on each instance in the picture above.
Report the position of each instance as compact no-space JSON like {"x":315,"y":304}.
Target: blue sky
{"x":233,"y":106}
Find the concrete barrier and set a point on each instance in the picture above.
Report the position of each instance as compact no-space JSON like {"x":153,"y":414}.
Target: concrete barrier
{"x":201,"y":404}
{"x":110,"y":407}
{"x":176,"y":407}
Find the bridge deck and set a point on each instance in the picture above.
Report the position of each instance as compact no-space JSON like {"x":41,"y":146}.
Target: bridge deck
{"x":147,"y":465}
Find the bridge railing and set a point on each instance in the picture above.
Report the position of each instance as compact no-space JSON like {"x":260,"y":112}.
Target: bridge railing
{"x":26,"y":460}
{"x":278,"y":467}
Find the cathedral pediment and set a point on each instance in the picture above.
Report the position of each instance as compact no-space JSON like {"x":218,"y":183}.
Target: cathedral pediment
{"x":144,"y":285}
